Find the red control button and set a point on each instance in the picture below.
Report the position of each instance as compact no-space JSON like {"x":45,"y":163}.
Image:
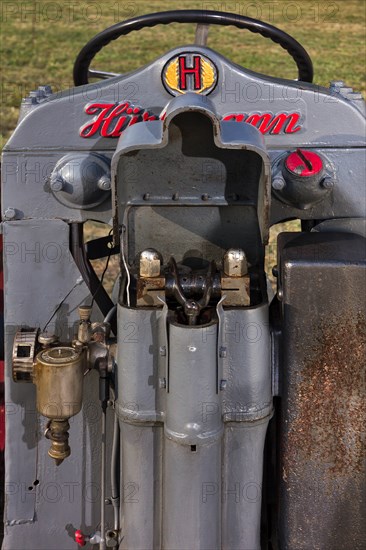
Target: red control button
{"x":80,"y":538}
{"x":304,"y":163}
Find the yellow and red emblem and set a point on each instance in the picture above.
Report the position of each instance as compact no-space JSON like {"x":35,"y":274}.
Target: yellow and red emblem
{"x":189,"y":72}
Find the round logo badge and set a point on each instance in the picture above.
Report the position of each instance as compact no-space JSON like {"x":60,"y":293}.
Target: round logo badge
{"x":189,"y":72}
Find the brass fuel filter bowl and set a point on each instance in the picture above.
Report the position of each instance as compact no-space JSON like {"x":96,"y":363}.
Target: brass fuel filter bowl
{"x":58,"y":374}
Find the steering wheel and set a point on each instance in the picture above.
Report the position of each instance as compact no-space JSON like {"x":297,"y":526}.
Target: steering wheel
{"x":201,"y":17}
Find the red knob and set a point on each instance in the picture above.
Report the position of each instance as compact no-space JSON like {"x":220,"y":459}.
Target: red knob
{"x":304,"y":163}
{"x":80,"y":538}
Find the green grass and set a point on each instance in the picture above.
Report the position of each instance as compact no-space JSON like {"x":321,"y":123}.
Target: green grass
{"x":40,"y":39}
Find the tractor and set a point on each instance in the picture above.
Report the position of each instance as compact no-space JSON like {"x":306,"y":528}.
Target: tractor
{"x":193,"y":407}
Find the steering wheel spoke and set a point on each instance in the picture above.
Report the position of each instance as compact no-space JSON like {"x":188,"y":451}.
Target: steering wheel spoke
{"x":201,"y":35}
{"x":93,"y":73}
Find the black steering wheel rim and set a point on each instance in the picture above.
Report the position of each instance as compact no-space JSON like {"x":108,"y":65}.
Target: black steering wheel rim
{"x":208,"y":17}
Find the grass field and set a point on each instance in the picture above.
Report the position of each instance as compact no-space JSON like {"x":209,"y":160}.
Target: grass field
{"x":40,"y":40}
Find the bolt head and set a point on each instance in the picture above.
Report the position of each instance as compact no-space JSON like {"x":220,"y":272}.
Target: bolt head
{"x":56,"y":183}
{"x":45,"y":89}
{"x":10,"y":213}
{"x":162,"y":383}
{"x":191,"y":308}
{"x":105,"y":183}
{"x":336,"y":83}
{"x":278,"y":183}
{"x":29,"y":100}
{"x":328,"y":183}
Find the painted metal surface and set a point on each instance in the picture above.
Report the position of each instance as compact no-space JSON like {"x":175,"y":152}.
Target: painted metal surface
{"x":204,"y":172}
{"x":190,"y":441}
{"x":45,"y":504}
{"x":322,"y":466}
{"x":329,"y":121}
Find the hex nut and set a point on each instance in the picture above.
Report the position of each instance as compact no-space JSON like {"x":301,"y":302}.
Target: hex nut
{"x":47,"y":339}
{"x":235,"y":263}
{"x":85,"y":312}
{"x":150,"y":263}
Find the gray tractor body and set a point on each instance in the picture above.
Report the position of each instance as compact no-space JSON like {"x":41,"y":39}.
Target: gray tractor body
{"x":239,"y":430}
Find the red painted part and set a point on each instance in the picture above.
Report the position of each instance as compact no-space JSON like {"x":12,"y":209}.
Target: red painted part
{"x":304,"y":163}
{"x":2,"y":405}
{"x":111,"y":119}
{"x":80,"y":538}
{"x":2,"y":414}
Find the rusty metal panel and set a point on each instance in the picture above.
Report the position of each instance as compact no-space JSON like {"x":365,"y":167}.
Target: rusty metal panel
{"x":323,"y":408}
